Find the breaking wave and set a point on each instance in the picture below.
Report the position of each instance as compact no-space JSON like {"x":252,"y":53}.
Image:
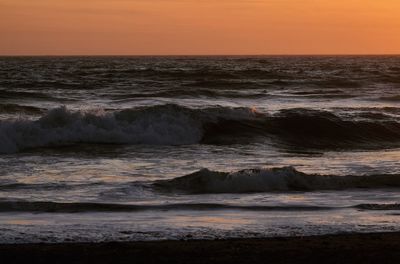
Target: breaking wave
{"x":177,"y":125}
{"x":63,"y":127}
{"x":273,"y":179}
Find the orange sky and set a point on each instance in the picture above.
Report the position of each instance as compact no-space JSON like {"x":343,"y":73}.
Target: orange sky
{"x":138,"y":27}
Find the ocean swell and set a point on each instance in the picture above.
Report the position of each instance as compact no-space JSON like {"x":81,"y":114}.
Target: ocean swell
{"x":16,"y":108}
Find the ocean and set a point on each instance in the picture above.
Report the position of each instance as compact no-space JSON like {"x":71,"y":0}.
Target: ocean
{"x":99,"y":149}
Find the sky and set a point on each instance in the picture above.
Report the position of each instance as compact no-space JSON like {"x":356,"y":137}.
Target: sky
{"x":199,"y":27}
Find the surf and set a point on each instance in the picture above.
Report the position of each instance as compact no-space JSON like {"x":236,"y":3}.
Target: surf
{"x":284,"y":179}
{"x":172,"y":124}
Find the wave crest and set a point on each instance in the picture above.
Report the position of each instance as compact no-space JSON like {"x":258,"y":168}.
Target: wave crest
{"x":157,"y":125}
{"x":177,"y":125}
{"x":272,"y":179}
{"x":63,"y":127}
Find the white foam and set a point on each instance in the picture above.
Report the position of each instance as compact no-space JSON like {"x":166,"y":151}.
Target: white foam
{"x":63,"y":127}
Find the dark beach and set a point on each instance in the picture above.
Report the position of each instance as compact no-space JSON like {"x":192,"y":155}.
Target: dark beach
{"x":343,"y":248}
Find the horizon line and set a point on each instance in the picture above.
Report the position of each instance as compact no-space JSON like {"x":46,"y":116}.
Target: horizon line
{"x":198,"y":55}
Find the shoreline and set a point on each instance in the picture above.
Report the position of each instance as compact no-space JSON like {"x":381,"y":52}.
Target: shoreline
{"x":337,"y":248}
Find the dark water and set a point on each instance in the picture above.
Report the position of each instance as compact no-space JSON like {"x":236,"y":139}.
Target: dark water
{"x":131,"y":148}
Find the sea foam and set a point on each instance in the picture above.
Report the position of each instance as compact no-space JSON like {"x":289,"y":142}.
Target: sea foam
{"x":64,"y":127}
{"x":156,"y":125}
{"x":172,"y":124}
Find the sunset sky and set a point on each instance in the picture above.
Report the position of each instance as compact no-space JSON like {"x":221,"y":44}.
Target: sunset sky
{"x":169,"y":27}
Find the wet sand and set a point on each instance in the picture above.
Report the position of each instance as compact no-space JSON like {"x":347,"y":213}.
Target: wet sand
{"x":347,"y":248}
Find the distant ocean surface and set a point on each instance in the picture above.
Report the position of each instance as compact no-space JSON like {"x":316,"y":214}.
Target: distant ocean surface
{"x":153,"y":148}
